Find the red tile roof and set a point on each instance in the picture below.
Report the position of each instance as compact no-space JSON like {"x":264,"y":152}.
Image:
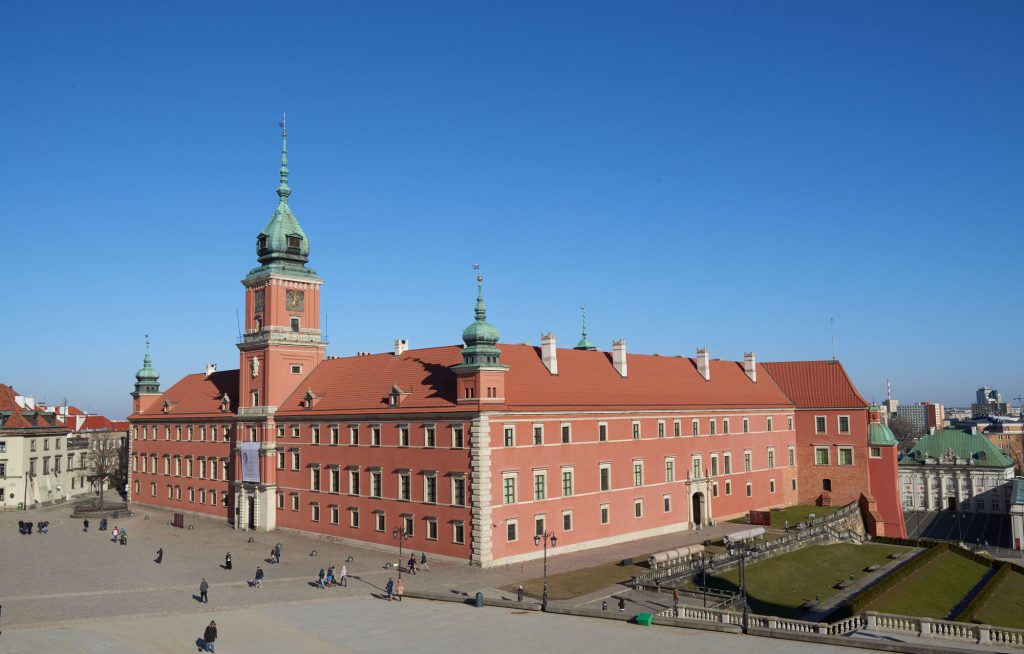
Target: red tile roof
{"x":815,"y":384}
{"x":17,"y":421}
{"x":585,"y":379}
{"x":96,"y":422}
{"x":7,"y":402}
{"x":198,"y":395}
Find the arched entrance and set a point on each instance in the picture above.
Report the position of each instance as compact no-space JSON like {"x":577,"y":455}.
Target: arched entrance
{"x":697,"y":509}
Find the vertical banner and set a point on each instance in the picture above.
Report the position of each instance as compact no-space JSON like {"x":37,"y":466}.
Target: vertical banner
{"x":251,"y":462}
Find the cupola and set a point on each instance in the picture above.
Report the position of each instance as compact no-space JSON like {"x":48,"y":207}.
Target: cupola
{"x":282,"y":240}
{"x":480,"y":337}
{"x":147,"y":379}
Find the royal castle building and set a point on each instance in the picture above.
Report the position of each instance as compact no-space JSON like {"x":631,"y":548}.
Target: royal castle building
{"x":472,"y":449}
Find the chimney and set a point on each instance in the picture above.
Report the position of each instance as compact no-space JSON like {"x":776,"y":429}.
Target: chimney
{"x":401,"y":345}
{"x":619,"y":356}
{"x":703,"y":365}
{"x":211,"y":368}
{"x":750,"y":366}
{"x":548,"y":354}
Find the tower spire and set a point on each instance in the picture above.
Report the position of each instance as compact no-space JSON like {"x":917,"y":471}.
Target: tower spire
{"x":480,"y":337}
{"x":147,"y":380}
{"x":584,"y":343}
{"x":283,"y":190}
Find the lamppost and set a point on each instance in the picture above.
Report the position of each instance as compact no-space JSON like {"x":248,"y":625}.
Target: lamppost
{"x":959,"y":529}
{"x":400,"y":535}
{"x":546,"y":536}
{"x":705,"y":563}
{"x":741,"y":551}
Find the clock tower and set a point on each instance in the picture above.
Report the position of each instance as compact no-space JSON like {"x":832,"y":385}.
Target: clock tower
{"x":282,"y":342}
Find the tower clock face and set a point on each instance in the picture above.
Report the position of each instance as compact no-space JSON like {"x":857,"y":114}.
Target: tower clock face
{"x":259,"y":299}
{"x":295,"y":300}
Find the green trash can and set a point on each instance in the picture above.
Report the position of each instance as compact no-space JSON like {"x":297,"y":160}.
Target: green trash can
{"x":645,"y":619}
{"x":479,"y":600}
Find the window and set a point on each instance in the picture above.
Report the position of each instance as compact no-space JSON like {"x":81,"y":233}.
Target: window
{"x":353,"y":482}
{"x":314,"y":479}
{"x":376,"y":483}
{"x":844,"y":424}
{"x":315,"y":434}
{"x":750,"y":489}
{"x":511,"y":529}
{"x":538,"y":434}
{"x":280,"y":501}
{"x":846,"y":456}
{"x":771,"y":485}
{"x":404,"y":486}
{"x":510,"y":436}
{"x":789,"y":423}
{"x":712,"y":426}
{"x":430,"y":489}
{"x":566,"y":433}
{"x":638,"y":473}
{"x":793,"y":483}
{"x":746,"y":461}
{"x":202,"y":494}
{"x":728,"y":487}
{"x":375,"y":436}
{"x":566,"y":520}
{"x":459,"y":491}
{"x":661,"y":429}
{"x":606,"y":476}
{"x":295,"y":324}
{"x":695,"y":465}
{"x":771,"y":457}
{"x":431,"y":529}
{"x":714,"y":489}
{"x":539,"y":485}
{"x":638,"y":508}
{"x":666,"y":502}
{"x":566,"y":483}
{"x":670,"y":470}
{"x":378,"y":520}
{"x":334,"y":435}
{"x":875,"y":452}
{"x":191,"y":495}
{"x":429,"y":437}
{"x":725,"y":425}
{"x":334,"y":476}
{"x":605,"y":514}
{"x":403,"y":436}
{"x":458,"y":532}
{"x":602,"y":431}
{"x":636,"y":430}
{"x":727,"y":463}
{"x":295,"y":459}
{"x":792,"y":456}
{"x":353,"y":435}
{"x":695,"y":427}
{"x":407,"y":524}
{"x":539,"y":525}
{"x":458,"y":439}
{"x":746,"y":425}
{"x":315,"y":512}
{"x":819,"y":424}
{"x":677,"y":428}
{"x":826,"y":485}
{"x":714,"y":465}
{"x":152,"y":487}
{"x":509,"y":485}
{"x":821,"y":456}
{"x":295,"y":432}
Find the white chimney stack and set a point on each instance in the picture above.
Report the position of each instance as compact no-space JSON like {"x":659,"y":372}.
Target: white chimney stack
{"x":619,"y":356}
{"x":750,"y":366}
{"x":401,"y":345}
{"x":703,"y":364}
{"x":211,"y":368}
{"x":548,"y":355}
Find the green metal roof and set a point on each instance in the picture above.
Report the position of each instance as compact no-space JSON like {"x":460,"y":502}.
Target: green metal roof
{"x":880,"y":434}
{"x":283,"y":240}
{"x":962,"y":444}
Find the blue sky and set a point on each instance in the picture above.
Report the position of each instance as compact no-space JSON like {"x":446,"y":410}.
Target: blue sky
{"x":729,"y":175}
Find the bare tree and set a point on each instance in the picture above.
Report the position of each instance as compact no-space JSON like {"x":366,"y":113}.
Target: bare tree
{"x":903,"y":430}
{"x":1015,"y":450}
{"x":103,"y":459}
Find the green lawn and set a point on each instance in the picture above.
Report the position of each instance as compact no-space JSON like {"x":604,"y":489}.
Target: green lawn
{"x":569,"y":585}
{"x":778,"y":586}
{"x":1005,"y":606}
{"x":934,"y":590}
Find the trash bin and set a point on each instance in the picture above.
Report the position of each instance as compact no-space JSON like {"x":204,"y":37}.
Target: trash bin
{"x":645,"y":619}
{"x":479,"y":601}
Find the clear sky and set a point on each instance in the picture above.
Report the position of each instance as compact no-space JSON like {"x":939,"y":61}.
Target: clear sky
{"x":722,"y":174}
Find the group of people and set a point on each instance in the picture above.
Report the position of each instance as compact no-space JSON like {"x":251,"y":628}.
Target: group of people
{"x":121,"y":536}
{"x":328,"y":578}
{"x":25,"y":527}
{"x":422,"y":565}
{"x":393,"y":589}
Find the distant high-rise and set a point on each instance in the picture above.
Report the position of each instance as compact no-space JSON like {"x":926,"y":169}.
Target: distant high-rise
{"x":989,"y":401}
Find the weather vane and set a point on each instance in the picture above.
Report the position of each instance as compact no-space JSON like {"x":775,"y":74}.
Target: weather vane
{"x":283,"y":124}
{"x":479,"y":277}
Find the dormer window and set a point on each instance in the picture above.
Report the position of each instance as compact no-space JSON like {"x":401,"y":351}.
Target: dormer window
{"x":294,"y":242}
{"x":310,"y":399}
{"x":396,"y":395}
{"x":225,"y":402}
{"x":261,"y":242}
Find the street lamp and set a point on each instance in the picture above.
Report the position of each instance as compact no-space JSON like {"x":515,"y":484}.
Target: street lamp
{"x":742,"y":552}
{"x":546,"y":536}
{"x":400,"y":535}
{"x":705,"y":563}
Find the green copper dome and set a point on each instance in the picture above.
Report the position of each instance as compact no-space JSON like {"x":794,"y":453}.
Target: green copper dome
{"x":880,"y":434}
{"x":585,"y":343}
{"x":480,"y":336}
{"x":147,"y":378}
{"x":283,"y":240}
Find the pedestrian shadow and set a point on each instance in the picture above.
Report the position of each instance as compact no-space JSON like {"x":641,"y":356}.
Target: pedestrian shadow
{"x":200,"y":644}
{"x":380,"y":596}
{"x":224,"y":566}
{"x":315,"y":584}
{"x":198,"y":598}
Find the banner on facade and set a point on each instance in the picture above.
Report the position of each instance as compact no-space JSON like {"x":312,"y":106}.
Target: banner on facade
{"x":251,"y":462}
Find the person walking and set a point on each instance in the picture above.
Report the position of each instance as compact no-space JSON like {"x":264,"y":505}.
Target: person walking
{"x":412,"y":564}
{"x":400,"y":589}
{"x":124,"y":537}
{"x":622,"y":605}
{"x":423,"y":562}
{"x":520,"y":593}
{"x":209,"y":636}
{"x":115,"y":532}
{"x":277,"y":553}
{"x":103,"y":524}
{"x":160,"y":555}
{"x":344,"y":576}
{"x":321,"y":579}
{"x":85,"y":525}
{"x":204,"y":588}
{"x":675,"y":602}
{"x":330,"y":576}
{"x":227,"y":561}
{"x":257,"y":581}
{"x":389,"y":588}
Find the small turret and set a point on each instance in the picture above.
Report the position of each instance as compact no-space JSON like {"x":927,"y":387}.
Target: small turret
{"x":585,"y":343}
{"x":147,"y":379}
{"x":480,"y":337}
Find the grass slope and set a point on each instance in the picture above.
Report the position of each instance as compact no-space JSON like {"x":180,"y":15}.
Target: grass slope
{"x":934,"y":590}
{"x":1005,"y":607}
